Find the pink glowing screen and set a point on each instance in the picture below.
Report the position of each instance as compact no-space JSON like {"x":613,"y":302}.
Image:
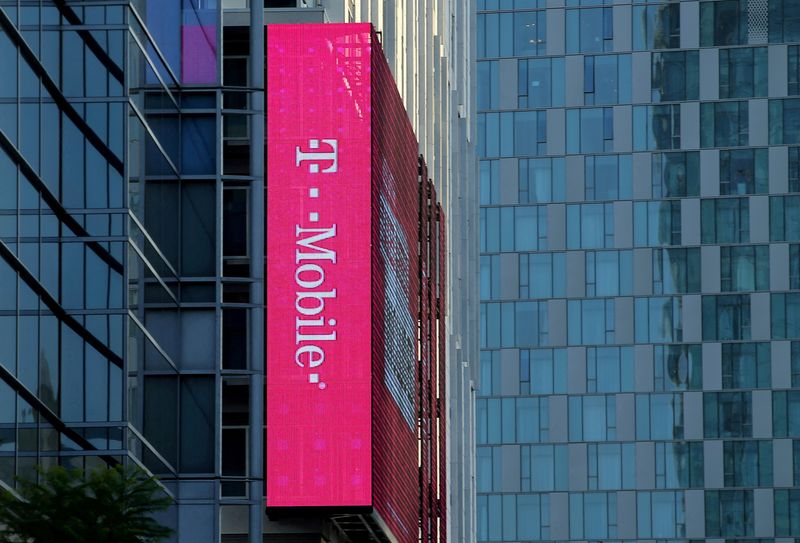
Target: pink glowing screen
{"x":318,"y":328}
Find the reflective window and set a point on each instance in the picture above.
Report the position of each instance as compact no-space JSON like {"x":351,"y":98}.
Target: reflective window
{"x":511,"y":34}
{"x":747,"y":463}
{"x":593,"y":515}
{"x":488,"y":469}
{"x":746,"y":365}
{"x":726,"y":317}
{"x":513,"y":324}
{"x":611,"y":466}
{"x":784,"y":121}
{"x":723,"y":23}
{"x":490,"y":182}
{"x":661,"y":514}
{"x":509,"y":517}
{"x":512,"y":420}
{"x":490,"y":277}
{"x":727,"y":414}
{"x":607,"y":177}
{"x":787,"y":512}
{"x":543,"y":371}
{"x":786,"y":413}
{"x":784,"y":21}
{"x":591,"y":322}
{"x":609,"y":273}
{"x":744,"y":268}
{"x":590,"y":130}
{"x":658,"y":320}
{"x":743,"y":72}
{"x":676,"y":174}
{"x":679,"y":464}
{"x":656,"y":127}
{"x":785,"y":311}
{"x":541,"y":275}
{"x":521,"y":228}
{"x":590,"y":30}
{"x":606,"y":79}
{"x":590,"y":226}
{"x":724,"y":124}
{"x":656,"y":27}
{"x":657,"y":223}
{"x":729,"y":513}
{"x":544,"y":468}
{"x":743,"y":171}
{"x":784,"y":218}
{"x":592,"y":418}
{"x":794,"y":169}
{"x":677,"y":367}
{"x":541,"y":180}
{"x":675,"y":76}
{"x":512,"y":133}
{"x":725,"y":220}
{"x":659,"y":416}
{"x":540,"y":82}
{"x":609,"y":369}
{"x":794,"y":266}
{"x":794,"y":70}
{"x":676,"y":271}
{"x":488,"y":81}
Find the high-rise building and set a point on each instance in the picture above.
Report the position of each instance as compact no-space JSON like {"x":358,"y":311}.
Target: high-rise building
{"x":132,"y":242}
{"x":639,"y":270}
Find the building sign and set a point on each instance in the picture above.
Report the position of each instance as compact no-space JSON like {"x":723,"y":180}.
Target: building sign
{"x":319,"y":274}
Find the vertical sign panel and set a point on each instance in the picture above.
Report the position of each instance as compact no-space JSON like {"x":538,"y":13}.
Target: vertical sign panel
{"x":319,"y":374}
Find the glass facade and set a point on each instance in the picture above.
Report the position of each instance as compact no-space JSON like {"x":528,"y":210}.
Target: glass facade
{"x":639,"y":354}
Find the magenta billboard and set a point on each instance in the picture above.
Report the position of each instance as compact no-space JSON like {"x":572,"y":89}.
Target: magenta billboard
{"x":319,"y":274}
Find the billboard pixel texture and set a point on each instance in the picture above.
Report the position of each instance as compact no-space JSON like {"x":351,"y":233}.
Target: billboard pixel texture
{"x":319,"y":372}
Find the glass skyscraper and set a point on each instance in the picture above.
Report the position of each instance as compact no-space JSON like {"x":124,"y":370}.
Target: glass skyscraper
{"x":640,"y":267}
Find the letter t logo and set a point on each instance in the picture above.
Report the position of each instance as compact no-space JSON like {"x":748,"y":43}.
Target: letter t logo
{"x":319,"y":156}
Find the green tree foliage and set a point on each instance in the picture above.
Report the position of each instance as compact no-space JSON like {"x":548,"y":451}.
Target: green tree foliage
{"x":66,"y":506}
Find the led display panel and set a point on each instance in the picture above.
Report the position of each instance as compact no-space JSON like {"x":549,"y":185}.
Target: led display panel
{"x":319,"y":276}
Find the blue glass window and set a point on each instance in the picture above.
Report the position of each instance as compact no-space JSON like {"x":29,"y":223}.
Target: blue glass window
{"x":724,"y":124}
{"x":723,"y":23}
{"x":590,"y":30}
{"x":747,"y":463}
{"x":726,"y":317}
{"x":727,"y":414}
{"x":608,"y":177}
{"x":743,"y":171}
{"x":593,"y":515}
{"x":540,"y":82}
{"x":743,"y":72}
{"x":544,"y":468}
{"x":656,"y":27}
{"x":746,"y":365}
{"x":658,"y":320}
{"x":675,"y":76}
{"x":606,"y":79}
{"x":657,"y":223}
{"x":611,"y":466}
{"x":679,"y":464}
{"x":784,"y":121}
{"x":661,"y":514}
{"x":541,"y":180}
{"x":729,"y":513}
{"x":542,"y":275}
{"x":609,"y":369}
{"x":543,"y":371}
{"x":786,"y":413}
{"x":659,"y":416}
{"x":656,"y":127}
{"x":784,"y":218}
{"x":676,"y":271}
{"x":785,"y":311}
{"x":676,"y":174}
{"x":725,"y":220}
{"x":744,"y":268}
{"x":590,"y":226}
{"x":592,"y":418}
{"x":591,"y":322}
{"x":677,"y":367}
{"x":590,"y":130}
{"x":609,"y":273}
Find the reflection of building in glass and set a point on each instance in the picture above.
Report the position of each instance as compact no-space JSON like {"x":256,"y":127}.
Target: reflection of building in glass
{"x":638,"y":316}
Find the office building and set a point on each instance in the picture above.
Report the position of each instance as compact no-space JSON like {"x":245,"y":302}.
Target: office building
{"x":132,"y":241}
{"x":639,"y":258}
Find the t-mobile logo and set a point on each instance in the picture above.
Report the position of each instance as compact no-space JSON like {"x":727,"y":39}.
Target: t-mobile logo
{"x":316,"y":156}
